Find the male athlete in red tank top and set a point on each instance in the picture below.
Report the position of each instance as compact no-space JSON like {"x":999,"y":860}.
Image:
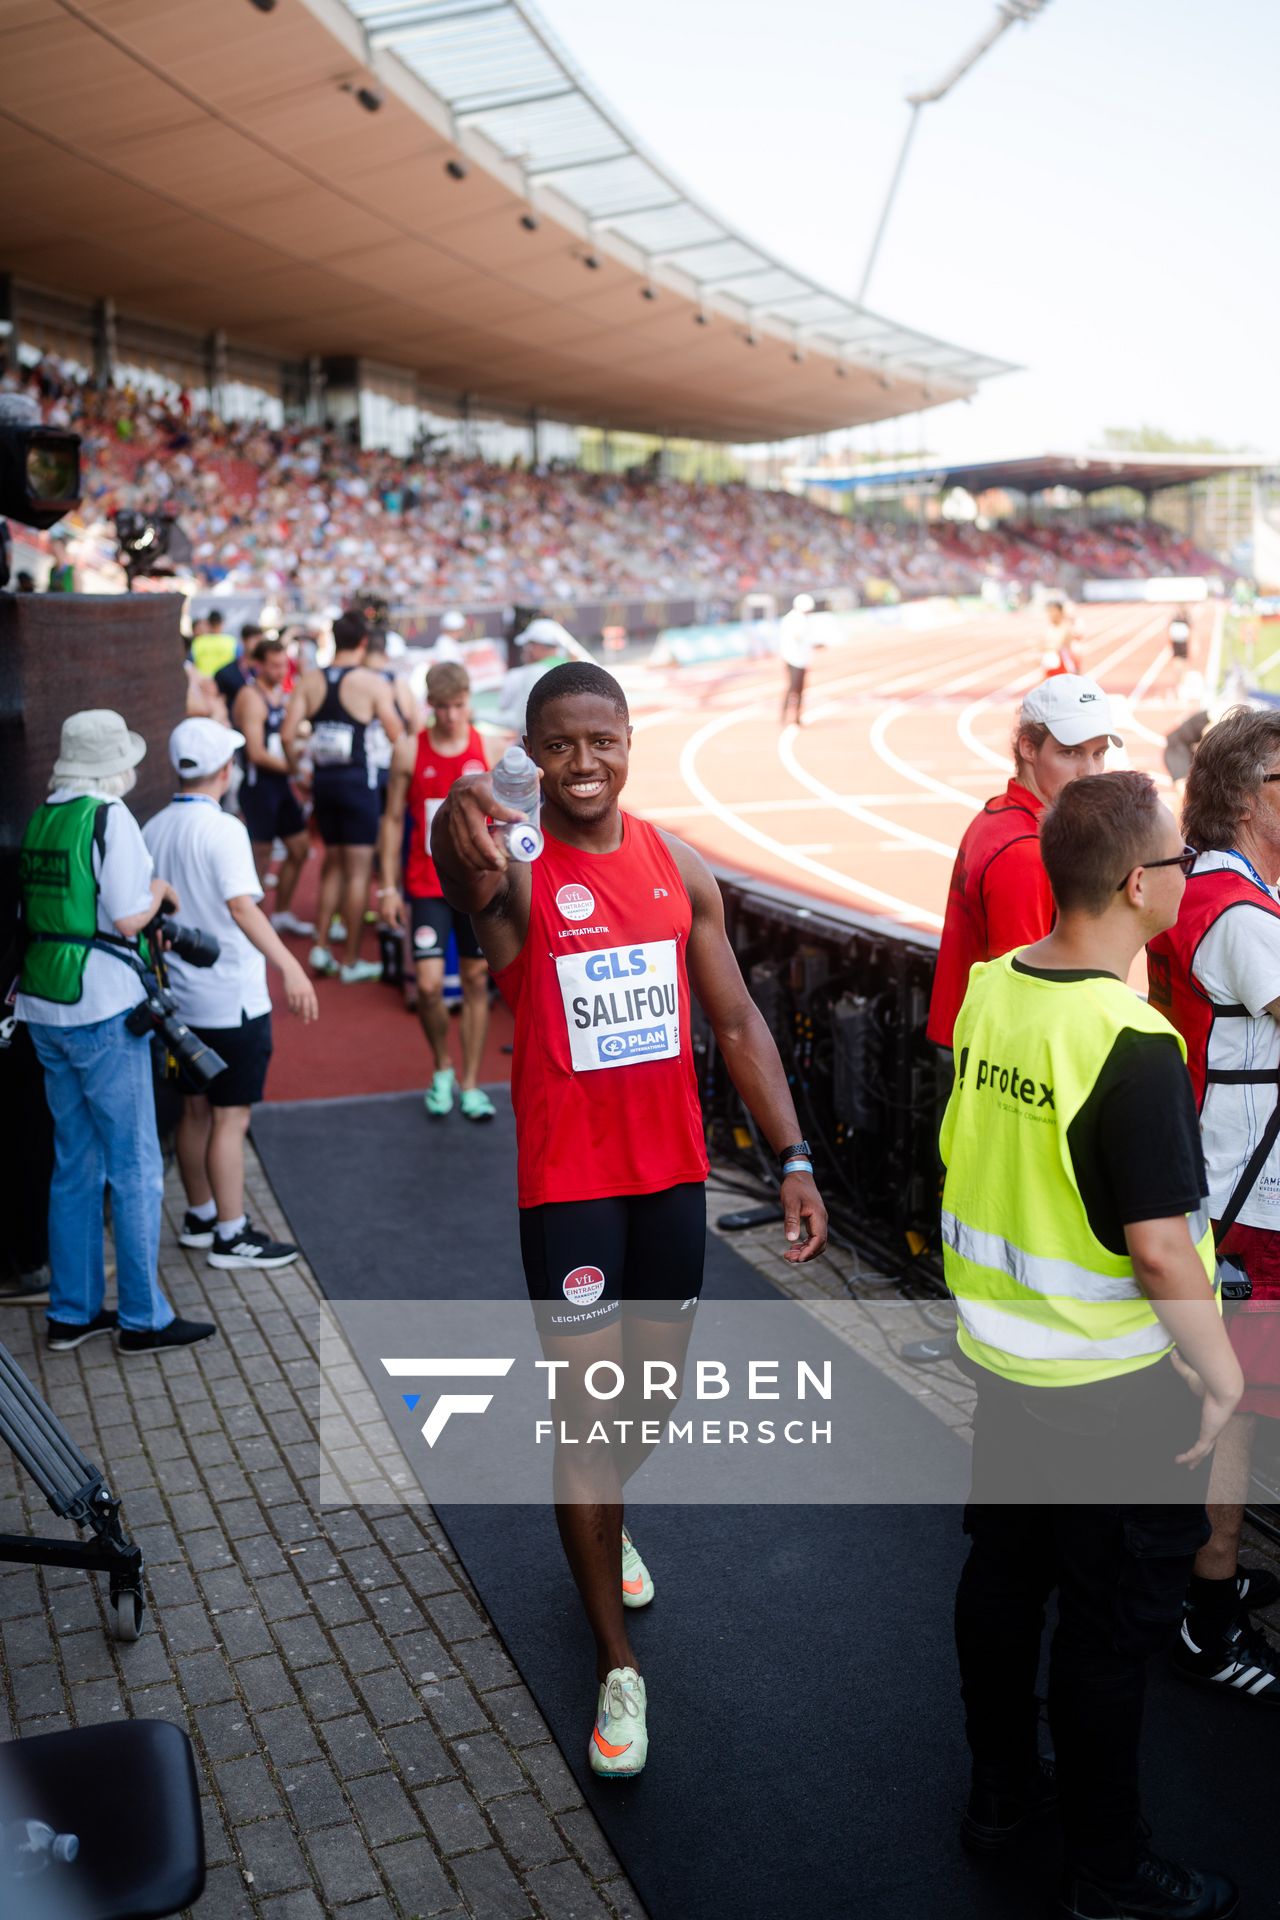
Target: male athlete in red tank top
{"x":597,"y":946}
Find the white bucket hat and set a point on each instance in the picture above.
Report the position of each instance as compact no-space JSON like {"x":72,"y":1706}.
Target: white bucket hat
{"x":96,"y":744}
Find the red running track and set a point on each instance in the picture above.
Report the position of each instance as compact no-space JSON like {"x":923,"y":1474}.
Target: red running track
{"x":905,"y":735}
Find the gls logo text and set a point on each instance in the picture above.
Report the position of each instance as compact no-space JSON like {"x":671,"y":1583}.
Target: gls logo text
{"x":440,"y":1369}
{"x":617,"y":965}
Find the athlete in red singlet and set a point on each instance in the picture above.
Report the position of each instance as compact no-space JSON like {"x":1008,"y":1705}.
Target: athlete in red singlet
{"x":596,"y":946}
{"x":423,"y":768}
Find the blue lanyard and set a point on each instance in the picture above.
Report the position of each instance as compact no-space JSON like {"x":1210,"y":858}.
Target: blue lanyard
{"x":207,"y":800}
{"x":1234,"y":853}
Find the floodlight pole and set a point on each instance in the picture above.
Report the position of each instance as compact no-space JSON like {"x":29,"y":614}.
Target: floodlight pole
{"x":1008,"y":14}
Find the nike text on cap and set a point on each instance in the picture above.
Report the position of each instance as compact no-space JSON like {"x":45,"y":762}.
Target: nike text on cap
{"x":200,"y":748}
{"x":1074,"y":709}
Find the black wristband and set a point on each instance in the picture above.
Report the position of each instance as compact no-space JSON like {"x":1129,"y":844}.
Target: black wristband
{"x":801,"y":1151}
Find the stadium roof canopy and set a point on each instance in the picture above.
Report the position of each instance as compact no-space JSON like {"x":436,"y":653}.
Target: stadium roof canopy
{"x":212,"y":166}
{"x":1038,"y":473}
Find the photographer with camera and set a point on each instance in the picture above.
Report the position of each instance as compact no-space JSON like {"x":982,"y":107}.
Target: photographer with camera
{"x":88,"y":890}
{"x":226,"y":1004}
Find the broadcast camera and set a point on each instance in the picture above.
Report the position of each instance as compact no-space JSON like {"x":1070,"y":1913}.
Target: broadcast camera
{"x":158,"y":1012}
{"x":149,"y":545}
{"x":39,"y":470}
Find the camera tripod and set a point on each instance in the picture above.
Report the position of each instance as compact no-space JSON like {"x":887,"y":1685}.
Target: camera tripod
{"x":76,"y":1491}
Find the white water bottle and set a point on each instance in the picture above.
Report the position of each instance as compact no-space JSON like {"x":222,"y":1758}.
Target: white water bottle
{"x":516,"y":785}
{"x":27,"y":1847}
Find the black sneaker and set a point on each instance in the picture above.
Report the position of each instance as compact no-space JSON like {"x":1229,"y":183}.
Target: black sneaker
{"x":250,"y":1248}
{"x":1257,"y":1587}
{"x":195,"y":1231}
{"x":66,"y":1334}
{"x":997,"y":1812}
{"x":178,"y":1333}
{"x":1159,"y":1890}
{"x":1241,"y":1661}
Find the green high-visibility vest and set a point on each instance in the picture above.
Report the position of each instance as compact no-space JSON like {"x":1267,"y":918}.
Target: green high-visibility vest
{"x":1041,"y":1301}
{"x":59,"y":896}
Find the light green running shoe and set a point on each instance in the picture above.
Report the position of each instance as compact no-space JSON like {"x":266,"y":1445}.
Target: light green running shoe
{"x":620,"y":1739}
{"x":438,"y":1098}
{"x":320,"y":960}
{"x":360,"y":970}
{"x":476,"y":1104}
{"x":637,"y":1582}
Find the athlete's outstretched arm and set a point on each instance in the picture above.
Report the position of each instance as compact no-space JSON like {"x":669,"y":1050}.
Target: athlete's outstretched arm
{"x":473,"y":868}
{"x":747,"y":1045}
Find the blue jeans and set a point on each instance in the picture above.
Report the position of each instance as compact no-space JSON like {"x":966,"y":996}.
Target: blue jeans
{"x":97,"y":1080}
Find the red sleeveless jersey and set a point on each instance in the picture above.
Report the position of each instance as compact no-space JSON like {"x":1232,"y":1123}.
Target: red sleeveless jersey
{"x":1171,"y":985}
{"x":602,"y":1078}
{"x":433,"y":775}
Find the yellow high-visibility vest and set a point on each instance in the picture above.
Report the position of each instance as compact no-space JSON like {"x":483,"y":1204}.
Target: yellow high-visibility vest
{"x":1041,"y":1301}
{"x":210,"y":652}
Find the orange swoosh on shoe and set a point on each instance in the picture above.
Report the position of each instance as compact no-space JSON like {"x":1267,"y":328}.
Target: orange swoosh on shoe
{"x":609,"y":1752}
{"x":633,"y":1586}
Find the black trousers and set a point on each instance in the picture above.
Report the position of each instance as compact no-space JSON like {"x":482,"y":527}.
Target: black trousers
{"x":1119,"y":1572}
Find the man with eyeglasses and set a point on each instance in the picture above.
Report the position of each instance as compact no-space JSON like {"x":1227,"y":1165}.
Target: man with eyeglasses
{"x":1216,"y":974}
{"x":1076,"y":1243}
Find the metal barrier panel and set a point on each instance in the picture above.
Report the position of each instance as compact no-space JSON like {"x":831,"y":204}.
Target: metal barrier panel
{"x":845,"y":996}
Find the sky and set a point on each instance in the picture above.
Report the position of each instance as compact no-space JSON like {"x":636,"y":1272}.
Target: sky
{"x":1098,"y":201}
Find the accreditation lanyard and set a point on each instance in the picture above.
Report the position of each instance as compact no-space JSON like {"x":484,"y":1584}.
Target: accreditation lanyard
{"x":1234,"y":853}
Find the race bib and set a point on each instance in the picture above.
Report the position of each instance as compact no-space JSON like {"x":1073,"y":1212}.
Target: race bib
{"x":430,"y":809}
{"x":331,"y":744}
{"x":377,"y":745}
{"x":621,"y":1005}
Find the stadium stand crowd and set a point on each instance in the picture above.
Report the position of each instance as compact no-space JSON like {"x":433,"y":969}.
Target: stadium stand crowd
{"x":304,"y":516}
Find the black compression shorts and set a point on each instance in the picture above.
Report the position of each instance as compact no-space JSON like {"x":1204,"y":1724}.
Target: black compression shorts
{"x":270,"y":810}
{"x":433,"y":920}
{"x":584,"y":1258}
{"x":347,"y":809}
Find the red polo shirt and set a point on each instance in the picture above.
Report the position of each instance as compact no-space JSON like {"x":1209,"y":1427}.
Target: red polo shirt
{"x":1000,"y":899}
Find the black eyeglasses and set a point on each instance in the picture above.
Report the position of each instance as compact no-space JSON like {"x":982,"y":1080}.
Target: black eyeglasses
{"x":1186,"y":859}
{"x":1268,"y":777}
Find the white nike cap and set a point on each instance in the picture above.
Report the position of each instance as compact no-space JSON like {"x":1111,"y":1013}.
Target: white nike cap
{"x":200,"y":748}
{"x":1073,"y":707}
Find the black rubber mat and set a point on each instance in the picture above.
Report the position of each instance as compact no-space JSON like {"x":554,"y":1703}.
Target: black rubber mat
{"x":807,"y":1754}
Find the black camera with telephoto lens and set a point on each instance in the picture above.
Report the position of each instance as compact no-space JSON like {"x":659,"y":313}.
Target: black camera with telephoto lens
{"x":158,"y":1012}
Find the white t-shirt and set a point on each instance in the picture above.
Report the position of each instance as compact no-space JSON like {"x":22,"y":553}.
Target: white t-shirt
{"x":123,"y":873}
{"x":205,"y":855}
{"x":516,"y":688}
{"x":795,"y":638}
{"x":1238,"y":963}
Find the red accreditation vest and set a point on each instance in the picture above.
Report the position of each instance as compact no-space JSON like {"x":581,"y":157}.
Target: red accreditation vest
{"x":1173,"y":989}
{"x":1010,"y":821}
{"x":433,"y":775}
{"x":602,"y":1078}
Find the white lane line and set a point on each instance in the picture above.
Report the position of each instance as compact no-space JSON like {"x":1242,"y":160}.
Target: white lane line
{"x":880,"y":745}
{"x":859,"y":889}
{"x":854,"y":808}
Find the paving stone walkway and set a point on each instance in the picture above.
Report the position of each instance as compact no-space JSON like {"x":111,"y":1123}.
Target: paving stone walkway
{"x":365,"y":1747}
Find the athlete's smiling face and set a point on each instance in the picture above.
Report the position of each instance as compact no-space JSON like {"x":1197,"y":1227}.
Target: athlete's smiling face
{"x":582,"y":743}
